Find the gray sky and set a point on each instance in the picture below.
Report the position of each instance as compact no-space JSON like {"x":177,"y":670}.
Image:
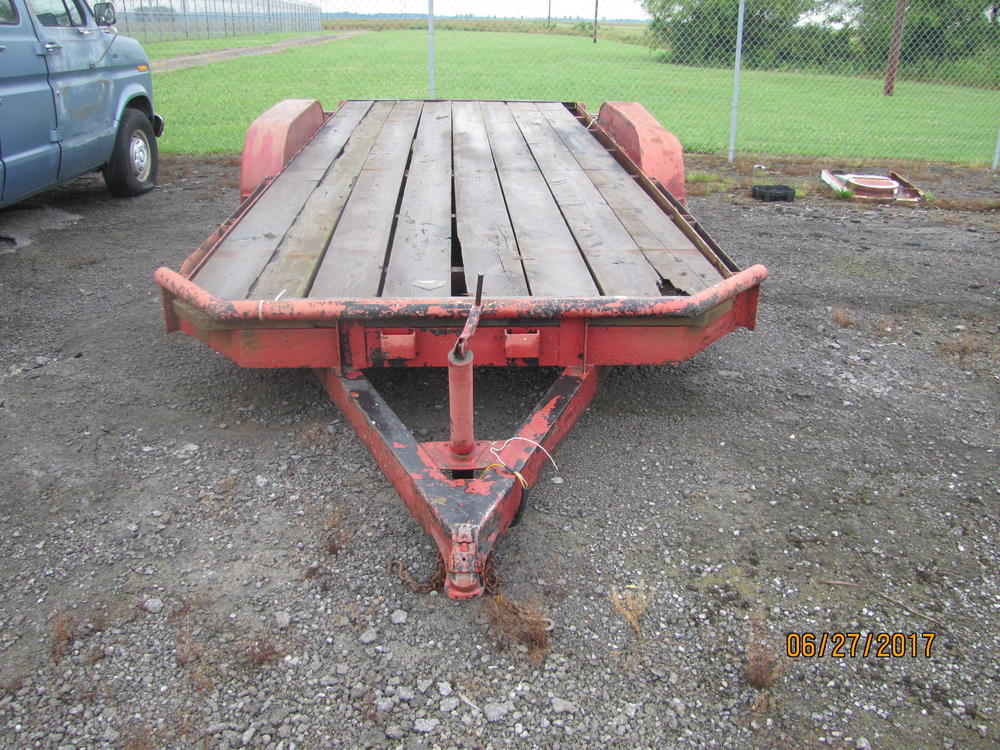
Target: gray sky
{"x":509,"y":8}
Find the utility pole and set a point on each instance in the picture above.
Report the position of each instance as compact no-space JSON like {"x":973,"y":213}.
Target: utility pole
{"x":595,"y":21}
{"x":737,"y":67}
{"x":430,"y":51}
{"x":894,"y":45}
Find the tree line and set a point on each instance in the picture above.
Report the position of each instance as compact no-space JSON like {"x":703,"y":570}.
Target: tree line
{"x":950,"y":40}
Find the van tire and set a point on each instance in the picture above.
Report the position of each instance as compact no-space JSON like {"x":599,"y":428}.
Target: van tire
{"x":135,"y":159}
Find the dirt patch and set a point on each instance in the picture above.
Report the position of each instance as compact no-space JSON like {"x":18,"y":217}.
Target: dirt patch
{"x":19,"y":224}
{"x":852,"y":437}
{"x":208,"y":58}
{"x":946,"y":187}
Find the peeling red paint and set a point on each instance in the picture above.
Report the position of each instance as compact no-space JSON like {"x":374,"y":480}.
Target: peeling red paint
{"x":456,"y":308}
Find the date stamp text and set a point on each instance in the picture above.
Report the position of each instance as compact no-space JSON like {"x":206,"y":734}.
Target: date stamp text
{"x":851,"y":645}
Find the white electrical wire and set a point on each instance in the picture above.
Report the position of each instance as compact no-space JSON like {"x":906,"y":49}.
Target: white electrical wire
{"x":495,"y":451}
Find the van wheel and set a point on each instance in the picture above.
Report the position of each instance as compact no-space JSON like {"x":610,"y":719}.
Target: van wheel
{"x":133,"y":165}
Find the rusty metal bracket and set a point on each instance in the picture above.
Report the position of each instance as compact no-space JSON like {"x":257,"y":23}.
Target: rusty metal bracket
{"x":471,"y":322}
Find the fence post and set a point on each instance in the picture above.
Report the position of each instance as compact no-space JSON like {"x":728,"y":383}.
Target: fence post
{"x":430,"y":49}
{"x":892,"y":66}
{"x":736,"y":80}
{"x":996,"y":153}
{"x":170,"y":18}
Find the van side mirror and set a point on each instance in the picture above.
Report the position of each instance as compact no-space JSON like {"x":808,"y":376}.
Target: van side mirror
{"x":104,"y":14}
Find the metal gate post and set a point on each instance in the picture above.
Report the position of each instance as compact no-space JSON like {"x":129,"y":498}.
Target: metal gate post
{"x":460,"y":403}
{"x":460,"y":380}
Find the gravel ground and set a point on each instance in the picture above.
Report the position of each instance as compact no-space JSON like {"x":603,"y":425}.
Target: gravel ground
{"x":194,"y":555}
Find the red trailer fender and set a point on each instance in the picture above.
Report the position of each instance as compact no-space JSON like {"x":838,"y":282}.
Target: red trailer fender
{"x":653,"y":148}
{"x":275,"y":137}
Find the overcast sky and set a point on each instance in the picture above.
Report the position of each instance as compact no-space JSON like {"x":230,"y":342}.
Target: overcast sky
{"x":509,"y":8}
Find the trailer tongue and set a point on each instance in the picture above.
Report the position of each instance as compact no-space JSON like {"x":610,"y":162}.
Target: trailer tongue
{"x":460,"y":234}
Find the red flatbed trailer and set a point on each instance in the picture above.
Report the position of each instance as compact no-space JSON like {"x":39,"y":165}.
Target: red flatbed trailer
{"x":438,"y":234}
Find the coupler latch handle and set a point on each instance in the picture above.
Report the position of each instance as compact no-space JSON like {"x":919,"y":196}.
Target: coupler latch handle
{"x":460,"y":381}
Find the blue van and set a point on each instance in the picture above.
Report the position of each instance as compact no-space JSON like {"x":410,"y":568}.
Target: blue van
{"x":75,"y":97}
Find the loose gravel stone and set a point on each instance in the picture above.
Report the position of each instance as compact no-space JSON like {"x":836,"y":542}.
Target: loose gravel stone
{"x":425,"y":725}
{"x":561,"y":706}
{"x":398,"y":617}
{"x":395,"y":732}
{"x":247,"y":736}
{"x":369,"y":636}
{"x":495,"y":711}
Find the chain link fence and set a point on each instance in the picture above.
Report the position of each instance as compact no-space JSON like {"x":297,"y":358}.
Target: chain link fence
{"x":165,"y":20}
{"x":854,"y":79}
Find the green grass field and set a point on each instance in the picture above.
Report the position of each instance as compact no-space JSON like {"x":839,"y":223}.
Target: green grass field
{"x":208,"y":109}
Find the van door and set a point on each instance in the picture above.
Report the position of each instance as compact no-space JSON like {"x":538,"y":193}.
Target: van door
{"x":28,"y":148}
{"x":76,"y":54}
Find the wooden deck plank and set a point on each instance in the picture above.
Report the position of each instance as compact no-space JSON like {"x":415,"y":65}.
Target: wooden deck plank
{"x":670,"y":252}
{"x":352,"y":265}
{"x":420,"y":259}
{"x":238,"y":260}
{"x":615,"y":260}
{"x":291,"y":269}
{"x":484,"y":230}
{"x":552,"y":261}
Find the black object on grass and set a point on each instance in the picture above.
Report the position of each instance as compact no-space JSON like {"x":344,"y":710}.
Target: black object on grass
{"x":773,"y":193}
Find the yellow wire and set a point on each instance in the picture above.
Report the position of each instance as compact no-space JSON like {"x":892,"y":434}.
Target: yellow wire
{"x":520,"y":477}
{"x":498,"y":466}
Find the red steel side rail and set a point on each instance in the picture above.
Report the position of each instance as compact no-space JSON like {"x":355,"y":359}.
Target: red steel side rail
{"x":386,"y":308}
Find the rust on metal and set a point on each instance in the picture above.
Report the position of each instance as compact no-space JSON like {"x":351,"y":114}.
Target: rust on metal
{"x":434,"y":309}
{"x":462,"y":345}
